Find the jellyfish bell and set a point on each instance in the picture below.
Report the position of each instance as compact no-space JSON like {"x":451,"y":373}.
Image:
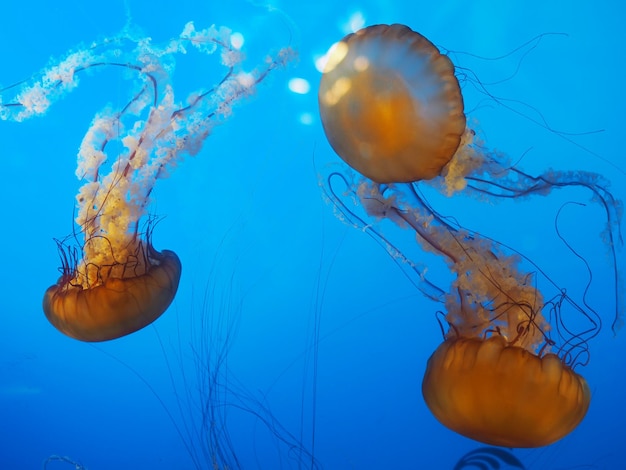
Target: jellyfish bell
{"x":503,"y":395}
{"x":125,"y":298}
{"x":489,"y":458}
{"x":391,"y":105}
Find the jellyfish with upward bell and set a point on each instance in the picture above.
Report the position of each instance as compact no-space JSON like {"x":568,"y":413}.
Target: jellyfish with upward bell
{"x":113,"y":281}
{"x":391,"y":107}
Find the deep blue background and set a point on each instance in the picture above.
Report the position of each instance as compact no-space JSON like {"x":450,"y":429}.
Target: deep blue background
{"x":260,"y":246}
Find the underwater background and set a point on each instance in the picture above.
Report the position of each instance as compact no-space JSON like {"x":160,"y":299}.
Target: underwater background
{"x":319,"y":338}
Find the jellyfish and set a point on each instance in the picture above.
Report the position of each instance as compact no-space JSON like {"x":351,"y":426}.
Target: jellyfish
{"x":113,"y":281}
{"x":489,"y":458}
{"x":64,"y":459}
{"x":372,"y":136}
{"x":391,"y":107}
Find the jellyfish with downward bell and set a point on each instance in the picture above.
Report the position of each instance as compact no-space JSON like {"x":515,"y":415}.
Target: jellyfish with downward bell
{"x":391,"y":107}
{"x":113,"y":281}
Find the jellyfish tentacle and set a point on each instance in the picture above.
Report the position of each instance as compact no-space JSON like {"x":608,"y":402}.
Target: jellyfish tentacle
{"x":495,"y":180}
{"x":415,"y":273}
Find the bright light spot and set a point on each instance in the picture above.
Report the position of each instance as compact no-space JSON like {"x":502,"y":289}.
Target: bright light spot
{"x":336,"y":91}
{"x":236,"y":40}
{"x":299,"y":86}
{"x":354,"y":23}
{"x":361,"y":63}
{"x":306,"y":119}
{"x":320,"y":62}
{"x":335,"y":54}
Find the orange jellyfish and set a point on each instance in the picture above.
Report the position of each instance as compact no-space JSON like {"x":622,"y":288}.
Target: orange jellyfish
{"x":412,"y":83}
{"x":391,"y":107}
{"x":114,"y":282}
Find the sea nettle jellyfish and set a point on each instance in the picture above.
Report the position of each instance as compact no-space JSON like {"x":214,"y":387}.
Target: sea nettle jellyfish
{"x":114,"y":282}
{"x":392,"y":108}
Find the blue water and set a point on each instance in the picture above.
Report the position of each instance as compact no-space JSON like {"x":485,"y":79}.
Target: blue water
{"x":324,"y":339}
